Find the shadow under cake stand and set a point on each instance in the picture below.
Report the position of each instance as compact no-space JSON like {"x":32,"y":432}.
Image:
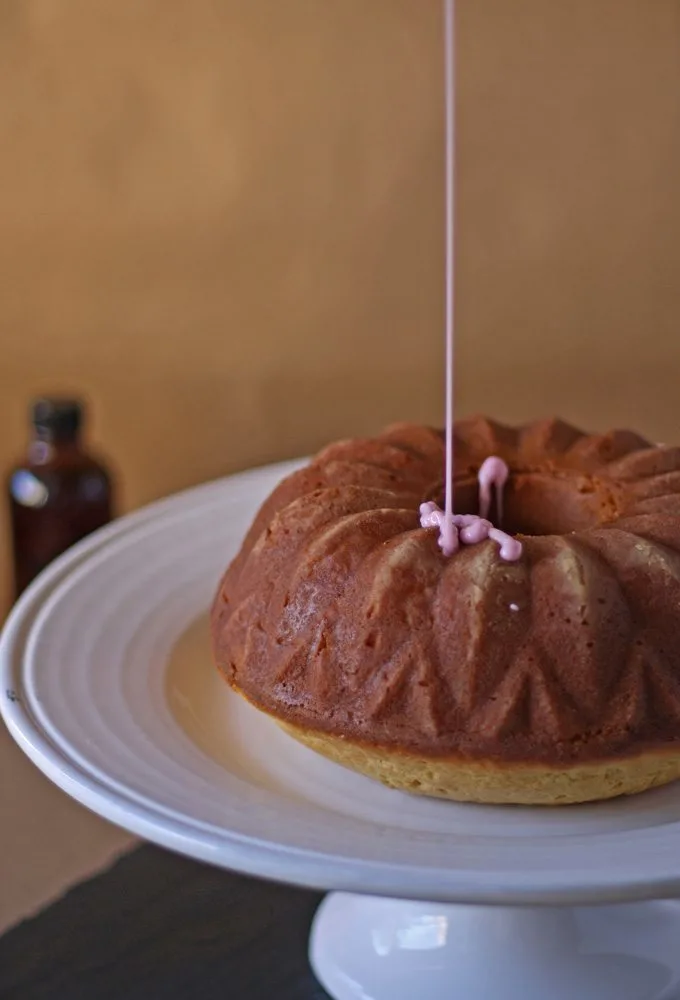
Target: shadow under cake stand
{"x":107,"y":685}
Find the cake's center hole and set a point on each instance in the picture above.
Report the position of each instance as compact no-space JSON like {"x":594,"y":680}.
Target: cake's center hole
{"x":544,"y":502}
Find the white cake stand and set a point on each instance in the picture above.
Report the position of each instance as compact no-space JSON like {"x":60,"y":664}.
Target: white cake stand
{"x":107,"y":685}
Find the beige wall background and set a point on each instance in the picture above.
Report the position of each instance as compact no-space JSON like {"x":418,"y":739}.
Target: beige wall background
{"x":222,"y":219}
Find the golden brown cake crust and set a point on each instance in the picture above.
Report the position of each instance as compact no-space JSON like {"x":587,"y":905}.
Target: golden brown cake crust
{"x":341,"y":617}
{"x":496,"y":782}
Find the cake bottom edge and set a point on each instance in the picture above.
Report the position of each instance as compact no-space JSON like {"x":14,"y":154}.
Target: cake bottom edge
{"x":496,"y":782}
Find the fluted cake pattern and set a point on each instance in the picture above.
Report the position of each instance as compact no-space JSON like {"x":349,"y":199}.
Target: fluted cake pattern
{"x":341,"y":615}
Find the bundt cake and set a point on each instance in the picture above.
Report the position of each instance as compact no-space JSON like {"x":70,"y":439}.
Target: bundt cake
{"x":551,"y":679}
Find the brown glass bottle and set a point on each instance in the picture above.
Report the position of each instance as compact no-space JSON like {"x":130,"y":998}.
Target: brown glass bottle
{"x":58,"y":494}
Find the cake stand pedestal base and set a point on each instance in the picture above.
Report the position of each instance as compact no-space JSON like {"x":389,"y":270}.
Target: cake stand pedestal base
{"x":374,"y":948}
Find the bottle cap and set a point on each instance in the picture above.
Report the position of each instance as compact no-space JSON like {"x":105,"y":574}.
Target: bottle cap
{"x":56,"y":417}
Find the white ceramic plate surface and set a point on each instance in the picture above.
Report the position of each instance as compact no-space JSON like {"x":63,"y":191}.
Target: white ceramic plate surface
{"x":107,"y":684}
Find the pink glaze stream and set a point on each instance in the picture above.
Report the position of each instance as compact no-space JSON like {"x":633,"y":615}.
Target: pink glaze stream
{"x":454,"y":529}
{"x":448,"y":533}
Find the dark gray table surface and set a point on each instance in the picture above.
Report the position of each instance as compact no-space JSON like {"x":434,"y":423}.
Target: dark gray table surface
{"x":160,"y":927}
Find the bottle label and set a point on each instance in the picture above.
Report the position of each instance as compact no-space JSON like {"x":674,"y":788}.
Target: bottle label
{"x":27,"y":490}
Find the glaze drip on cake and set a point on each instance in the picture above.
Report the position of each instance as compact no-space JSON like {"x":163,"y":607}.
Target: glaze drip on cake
{"x":470,"y":529}
{"x":493,"y":474}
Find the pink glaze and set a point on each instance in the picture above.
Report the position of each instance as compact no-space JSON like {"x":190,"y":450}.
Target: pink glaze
{"x":431,"y":516}
{"x":494,"y":472}
{"x":468,"y":529}
{"x":454,"y":529}
{"x":448,"y":539}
